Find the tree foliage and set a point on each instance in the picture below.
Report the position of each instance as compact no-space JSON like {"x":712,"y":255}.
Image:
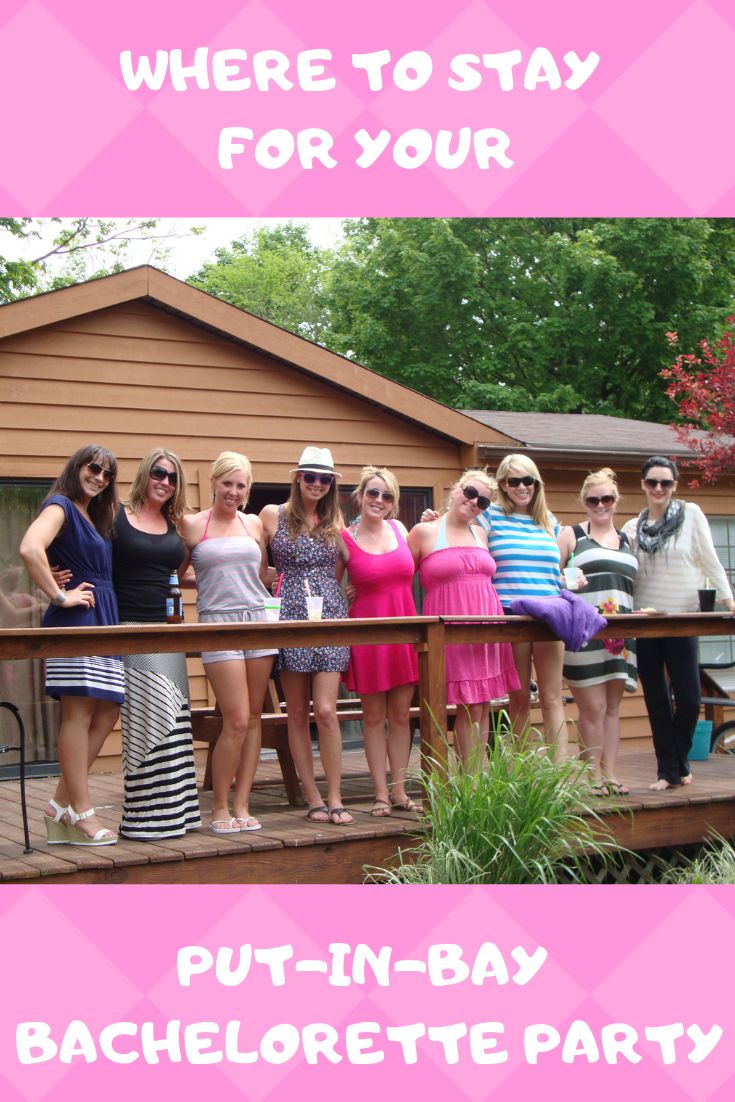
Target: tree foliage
{"x":277,"y":273}
{"x":530,"y":313}
{"x":703,"y":388}
{"x":58,"y":252}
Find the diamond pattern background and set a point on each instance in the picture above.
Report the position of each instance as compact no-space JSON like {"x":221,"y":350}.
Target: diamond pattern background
{"x":637,"y":956}
{"x":647,"y":134}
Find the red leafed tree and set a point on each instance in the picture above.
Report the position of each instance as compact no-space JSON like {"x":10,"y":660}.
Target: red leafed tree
{"x":703,"y":387}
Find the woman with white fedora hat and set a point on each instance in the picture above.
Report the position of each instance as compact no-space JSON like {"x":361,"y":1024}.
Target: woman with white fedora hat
{"x":304,"y":538}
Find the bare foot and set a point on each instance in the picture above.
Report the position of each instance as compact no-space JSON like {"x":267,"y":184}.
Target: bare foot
{"x":688,"y":779}
{"x":659,"y":786}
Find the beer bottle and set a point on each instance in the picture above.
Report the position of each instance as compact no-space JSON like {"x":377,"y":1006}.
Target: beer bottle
{"x":174,"y":603}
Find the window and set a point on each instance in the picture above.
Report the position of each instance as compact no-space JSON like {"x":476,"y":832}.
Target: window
{"x":21,"y":682}
{"x":719,"y":648}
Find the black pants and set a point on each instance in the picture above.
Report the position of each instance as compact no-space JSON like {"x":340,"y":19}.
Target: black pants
{"x":672,"y":727}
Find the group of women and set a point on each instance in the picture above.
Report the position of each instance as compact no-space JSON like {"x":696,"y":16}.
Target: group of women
{"x":102,"y":563}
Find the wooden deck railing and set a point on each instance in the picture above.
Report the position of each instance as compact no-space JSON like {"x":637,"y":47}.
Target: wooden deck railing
{"x":428,"y":634}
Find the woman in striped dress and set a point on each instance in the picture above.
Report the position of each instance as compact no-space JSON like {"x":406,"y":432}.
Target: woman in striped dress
{"x":73,"y":532}
{"x":158,"y":759}
{"x":522,"y":537}
{"x":598,"y":674}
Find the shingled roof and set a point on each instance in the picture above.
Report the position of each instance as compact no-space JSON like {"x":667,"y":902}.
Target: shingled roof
{"x":581,"y":433}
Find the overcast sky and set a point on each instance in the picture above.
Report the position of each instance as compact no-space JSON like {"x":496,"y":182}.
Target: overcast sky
{"x":187,"y":252}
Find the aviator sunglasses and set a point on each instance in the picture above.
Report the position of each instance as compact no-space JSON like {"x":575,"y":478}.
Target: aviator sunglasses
{"x":323,"y":479}
{"x":98,"y":469}
{"x":384,"y":495}
{"x":479,"y":499}
{"x":606,"y":499}
{"x":515,"y":481}
{"x":664,"y":483}
{"x":158,"y":474}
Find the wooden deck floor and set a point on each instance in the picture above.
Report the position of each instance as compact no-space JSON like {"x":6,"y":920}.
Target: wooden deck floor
{"x":291,"y":850}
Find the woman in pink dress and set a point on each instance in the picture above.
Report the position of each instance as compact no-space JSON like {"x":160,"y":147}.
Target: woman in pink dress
{"x":456,"y":571}
{"x":381,"y":570}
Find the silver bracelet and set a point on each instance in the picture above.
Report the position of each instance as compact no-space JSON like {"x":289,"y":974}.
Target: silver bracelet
{"x":59,"y":598}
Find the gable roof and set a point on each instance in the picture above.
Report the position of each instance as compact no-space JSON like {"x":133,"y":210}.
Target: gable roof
{"x":581,"y":434}
{"x":164,"y":292}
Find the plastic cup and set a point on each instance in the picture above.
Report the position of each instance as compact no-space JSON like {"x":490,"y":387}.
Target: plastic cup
{"x":571,"y":577}
{"x":314,"y":608}
{"x":707,"y":599}
{"x":272,"y":606}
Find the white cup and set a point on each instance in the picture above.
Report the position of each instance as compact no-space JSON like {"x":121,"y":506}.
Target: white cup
{"x":272,"y":606}
{"x":314,"y":608}
{"x":571,"y":577}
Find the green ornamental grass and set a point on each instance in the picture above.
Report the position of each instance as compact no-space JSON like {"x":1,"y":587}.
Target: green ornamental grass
{"x":519,"y":820}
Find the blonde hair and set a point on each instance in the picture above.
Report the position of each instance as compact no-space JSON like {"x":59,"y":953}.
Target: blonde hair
{"x":367,"y":474}
{"x":226,"y":463}
{"x":595,"y":478}
{"x":474,"y":474}
{"x":176,"y":506}
{"x":539,"y":512}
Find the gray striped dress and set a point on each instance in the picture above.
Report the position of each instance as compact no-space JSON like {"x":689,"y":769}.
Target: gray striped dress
{"x":611,"y":576}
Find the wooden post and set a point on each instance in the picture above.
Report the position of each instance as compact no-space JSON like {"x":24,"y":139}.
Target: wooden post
{"x":433,"y":698}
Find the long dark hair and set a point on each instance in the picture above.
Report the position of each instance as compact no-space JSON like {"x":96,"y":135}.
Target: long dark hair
{"x":102,"y":509}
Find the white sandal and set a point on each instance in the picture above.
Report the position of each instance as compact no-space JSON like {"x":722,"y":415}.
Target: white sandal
{"x":76,"y":836}
{"x":56,"y":827}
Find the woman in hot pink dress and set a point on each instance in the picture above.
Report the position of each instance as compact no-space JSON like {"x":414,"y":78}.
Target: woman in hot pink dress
{"x":456,"y":571}
{"x":381,"y":570}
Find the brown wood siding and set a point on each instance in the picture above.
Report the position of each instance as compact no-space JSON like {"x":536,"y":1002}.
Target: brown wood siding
{"x":133,"y":377}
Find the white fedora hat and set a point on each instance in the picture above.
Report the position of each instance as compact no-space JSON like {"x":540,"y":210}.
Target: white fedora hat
{"x":318,"y":460}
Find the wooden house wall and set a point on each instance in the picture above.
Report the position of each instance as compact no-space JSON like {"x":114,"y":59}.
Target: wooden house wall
{"x":133,"y":377}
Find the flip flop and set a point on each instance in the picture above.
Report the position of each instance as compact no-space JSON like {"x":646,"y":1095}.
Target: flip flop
{"x":251,"y":823}
{"x":339,"y":812}
{"x":224,"y":826}
{"x":380,"y":809}
{"x":599,"y":789}
{"x":320,"y":810}
{"x":616,"y":788}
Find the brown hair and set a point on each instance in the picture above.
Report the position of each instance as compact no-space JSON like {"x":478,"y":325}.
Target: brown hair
{"x":329,"y":515}
{"x":102,"y":509}
{"x":176,"y":506}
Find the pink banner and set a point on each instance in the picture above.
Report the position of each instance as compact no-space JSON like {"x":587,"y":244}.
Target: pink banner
{"x":457,"y":993}
{"x":341,"y":108}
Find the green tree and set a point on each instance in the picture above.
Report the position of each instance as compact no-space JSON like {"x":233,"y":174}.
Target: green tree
{"x":530,"y":313}
{"x":58,"y":252}
{"x":277,"y":273}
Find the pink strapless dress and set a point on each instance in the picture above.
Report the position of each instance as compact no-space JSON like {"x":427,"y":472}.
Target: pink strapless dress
{"x":458,"y":581}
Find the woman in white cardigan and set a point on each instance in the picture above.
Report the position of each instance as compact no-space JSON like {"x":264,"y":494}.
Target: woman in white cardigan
{"x":675,"y":553}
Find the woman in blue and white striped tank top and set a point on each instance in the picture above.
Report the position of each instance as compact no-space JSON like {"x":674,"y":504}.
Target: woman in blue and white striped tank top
{"x":522,"y":539}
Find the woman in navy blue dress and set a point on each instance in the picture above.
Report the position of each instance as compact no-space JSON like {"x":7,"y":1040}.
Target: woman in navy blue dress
{"x":73,"y":532}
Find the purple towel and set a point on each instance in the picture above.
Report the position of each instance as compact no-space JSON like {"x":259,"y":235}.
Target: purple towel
{"x":570,"y":617}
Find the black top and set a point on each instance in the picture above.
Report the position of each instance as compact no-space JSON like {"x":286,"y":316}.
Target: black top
{"x":141,"y":566}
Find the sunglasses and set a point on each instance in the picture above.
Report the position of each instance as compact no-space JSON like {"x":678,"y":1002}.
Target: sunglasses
{"x":515,"y":482}
{"x":664,"y":483}
{"x":98,"y":469}
{"x":323,"y":479}
{"x":384,"y":495}
{"x":606,"y":499}
{"x":479,"y":499}
{"x":158,"y":474}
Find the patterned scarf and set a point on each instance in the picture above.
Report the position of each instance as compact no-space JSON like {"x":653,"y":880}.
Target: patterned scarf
{"x":655,"y":537}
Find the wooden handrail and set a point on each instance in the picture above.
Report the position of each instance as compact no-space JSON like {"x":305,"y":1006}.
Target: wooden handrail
{"x":428,"y":634}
